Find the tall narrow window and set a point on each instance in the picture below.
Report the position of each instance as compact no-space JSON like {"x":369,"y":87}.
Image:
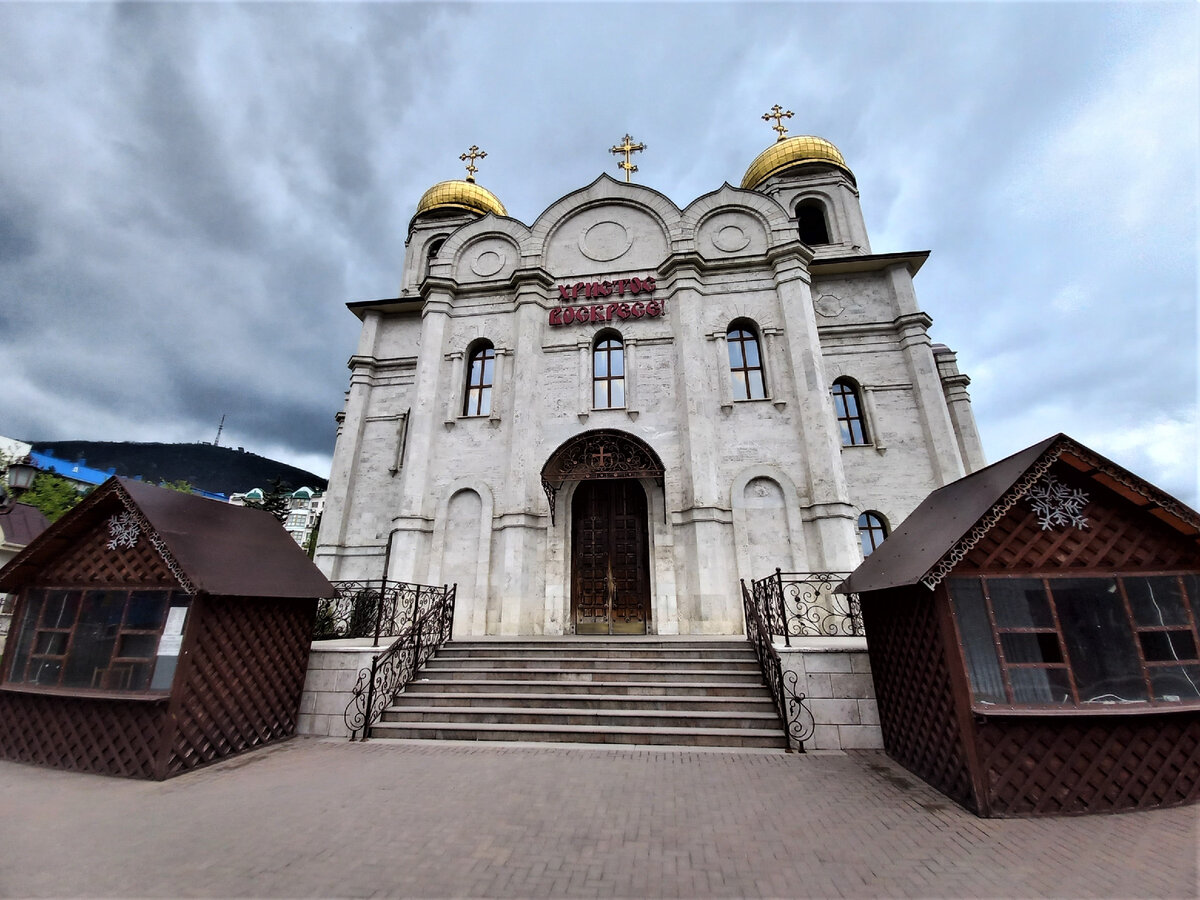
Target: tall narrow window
{"x":435,"y":247}
{"x":608,"y":372}
{"x":810,"y":221}
{"x":480,"y":364}
{"x":848,"y":408}
{"x":871,"y":531}
{"x":745,"y":362}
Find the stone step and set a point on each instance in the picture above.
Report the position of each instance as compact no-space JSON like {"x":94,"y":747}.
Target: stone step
{"x":759,"y":702}
{"x":459,"y":670}
{"x":582,"y":734}
{"x":462,"y":651}
{"x":597,"y":686}
{"x":598,"y":663}
{"x":604,"y":718}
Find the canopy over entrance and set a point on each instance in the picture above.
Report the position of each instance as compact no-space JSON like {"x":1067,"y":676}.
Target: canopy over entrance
{"x":600,"y":453}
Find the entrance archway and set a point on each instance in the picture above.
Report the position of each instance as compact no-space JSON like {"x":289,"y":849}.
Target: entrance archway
{"x":610,"y":574}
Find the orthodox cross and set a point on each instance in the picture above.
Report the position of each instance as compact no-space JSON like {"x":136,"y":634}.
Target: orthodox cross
{"x":778,"y":115}
{"x":473,"y":154}
{"x":601,"y":458}
{"x":628,"y":148}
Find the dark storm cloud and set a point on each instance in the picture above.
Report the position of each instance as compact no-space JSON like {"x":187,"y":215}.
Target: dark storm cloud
{"x":190,"y":193}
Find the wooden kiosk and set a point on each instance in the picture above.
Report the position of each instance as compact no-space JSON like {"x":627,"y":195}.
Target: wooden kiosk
{"x":1032,"y":637}
{"x":154,"y":631}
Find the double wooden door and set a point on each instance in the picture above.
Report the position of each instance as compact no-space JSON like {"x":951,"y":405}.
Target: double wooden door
{"x":610,"y":565}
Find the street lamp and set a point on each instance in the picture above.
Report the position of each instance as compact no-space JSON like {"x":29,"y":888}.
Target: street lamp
{"x":17,"y":480}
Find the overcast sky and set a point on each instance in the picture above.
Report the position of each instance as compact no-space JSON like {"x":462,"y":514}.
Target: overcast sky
{"x":189,"y":194}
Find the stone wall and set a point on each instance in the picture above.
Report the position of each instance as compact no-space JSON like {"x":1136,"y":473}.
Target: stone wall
{"x":333,"y":667}
{"x":835,"y":676}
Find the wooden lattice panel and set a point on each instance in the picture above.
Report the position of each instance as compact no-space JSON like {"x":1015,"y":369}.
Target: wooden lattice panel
{"x":1061,"y":766}
{"x":1118,"y":536}
{"x":243,"y":680}
{"x":912,"y":688}
{"x":108,"y":737}
{"x":89,"y":561}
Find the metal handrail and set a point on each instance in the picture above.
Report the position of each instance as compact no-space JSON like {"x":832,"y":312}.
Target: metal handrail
{"x":797,"y":719}
{"x":371,"y":609}
{"x":804,"y":604}
{"x":432,"y":625}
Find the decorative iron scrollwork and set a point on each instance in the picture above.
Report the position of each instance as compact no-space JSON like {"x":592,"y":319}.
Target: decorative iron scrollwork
{"x":601,"y":453}
{"x":431,"y":626}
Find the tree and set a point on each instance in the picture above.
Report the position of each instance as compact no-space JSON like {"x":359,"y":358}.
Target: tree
{"x":53,"y":495}
{"x":182,"y":485}
{"x":275,"y":500}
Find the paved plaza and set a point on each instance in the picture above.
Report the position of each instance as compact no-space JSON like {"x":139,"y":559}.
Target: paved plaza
{"x":318,"y":817}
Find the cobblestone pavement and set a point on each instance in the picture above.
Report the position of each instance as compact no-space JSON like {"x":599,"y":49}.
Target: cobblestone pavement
{"x":315,"y":817}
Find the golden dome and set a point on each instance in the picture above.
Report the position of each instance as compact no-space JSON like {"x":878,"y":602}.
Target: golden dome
{"x":460,"y":195}
{"x":790,"y":152}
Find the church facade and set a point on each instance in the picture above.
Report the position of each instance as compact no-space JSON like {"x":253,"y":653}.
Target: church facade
{"x":599,"y":422}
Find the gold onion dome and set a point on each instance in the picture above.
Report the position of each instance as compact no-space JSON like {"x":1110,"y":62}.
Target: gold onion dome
{"x":793,"y":151}
{"x":465,"y":195}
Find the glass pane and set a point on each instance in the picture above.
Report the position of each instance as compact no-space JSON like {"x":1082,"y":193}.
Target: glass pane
{"x":983,"y":667}
{"x":1174,"y":683}
{"x":851,"y":405}
{"x":856,"y":432}
{"x":756,"y":385}
{"x":1164,"y":646}
{"x":618,"y":392}
{"x":1020,"y":603}
{"x":489,"y":367}
{"x":847,"y":439}
{"x":752,"y":353}
{"x":600,"y":364}
{"x":1100,"y":642}
{"x":95,"y":637}
{"x":618,"y":361}
{"x":33,"y":607}
{"x":45,"y":671}
{"x":600,"y":395}
{"x":1156,"y":600}
{"x":735,"y":355}
{"x":738,"y":382}
{"x":476,"y":371}
{"x":137,"y":646}
{"x":1031,"y":648}
{"x":839,"y":404}
{"x":485,"y":401}
{"x":51,"y":643}
{"x":1040,"y":685}
{"x":59,"y":609}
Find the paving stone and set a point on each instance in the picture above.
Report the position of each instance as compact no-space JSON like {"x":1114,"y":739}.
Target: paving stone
{"x":320,"y":817}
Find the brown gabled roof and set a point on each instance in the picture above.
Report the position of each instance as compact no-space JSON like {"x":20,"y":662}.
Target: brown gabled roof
{"x":212,"y":546}
{"x":949,"y":521}
{"x":20,"y":525}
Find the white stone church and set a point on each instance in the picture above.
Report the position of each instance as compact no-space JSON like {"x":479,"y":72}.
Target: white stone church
{"x":599,"y":422}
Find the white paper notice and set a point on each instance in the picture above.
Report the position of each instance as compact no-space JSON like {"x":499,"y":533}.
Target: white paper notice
{"x":169,"y":644}
{"x":175,"y":620}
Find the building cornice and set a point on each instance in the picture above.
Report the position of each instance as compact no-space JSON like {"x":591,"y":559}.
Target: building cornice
{"x":873,"y":262}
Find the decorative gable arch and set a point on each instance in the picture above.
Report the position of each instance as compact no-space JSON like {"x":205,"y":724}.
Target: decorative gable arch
{"x":599,"y":454}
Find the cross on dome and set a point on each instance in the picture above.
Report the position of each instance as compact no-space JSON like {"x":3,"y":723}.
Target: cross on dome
{"x":777,"y":113}
{"x":472,"y":154}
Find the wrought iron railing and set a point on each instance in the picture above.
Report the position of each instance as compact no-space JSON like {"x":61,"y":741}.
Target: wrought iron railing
{"x":798,"y":722}
{"x":431,"y":625}
{"x":371,"y":609}
{"x":803,"y":604}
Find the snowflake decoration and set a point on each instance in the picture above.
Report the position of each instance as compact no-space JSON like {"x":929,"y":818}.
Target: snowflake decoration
{"x":1057,"y":505}
{"x":124,"y":530}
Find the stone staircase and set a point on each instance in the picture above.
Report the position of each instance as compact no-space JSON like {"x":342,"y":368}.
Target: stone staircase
{"x":690,"y":692}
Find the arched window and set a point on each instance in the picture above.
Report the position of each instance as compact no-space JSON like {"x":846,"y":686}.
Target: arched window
{"x":608,"y":371}
{"x":480,"y":364}
{"x":810,"y":221}
{"x":848,"y":408}
{"x":745,"y":362}
{"x":431,"y":253}
{"x":871,"y":531}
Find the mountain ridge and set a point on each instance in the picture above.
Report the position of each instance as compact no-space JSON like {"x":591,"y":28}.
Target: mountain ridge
{"x":221,"y":470}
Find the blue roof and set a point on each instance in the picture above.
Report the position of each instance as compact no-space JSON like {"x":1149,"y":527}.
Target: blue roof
{"x":85,"y":474}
